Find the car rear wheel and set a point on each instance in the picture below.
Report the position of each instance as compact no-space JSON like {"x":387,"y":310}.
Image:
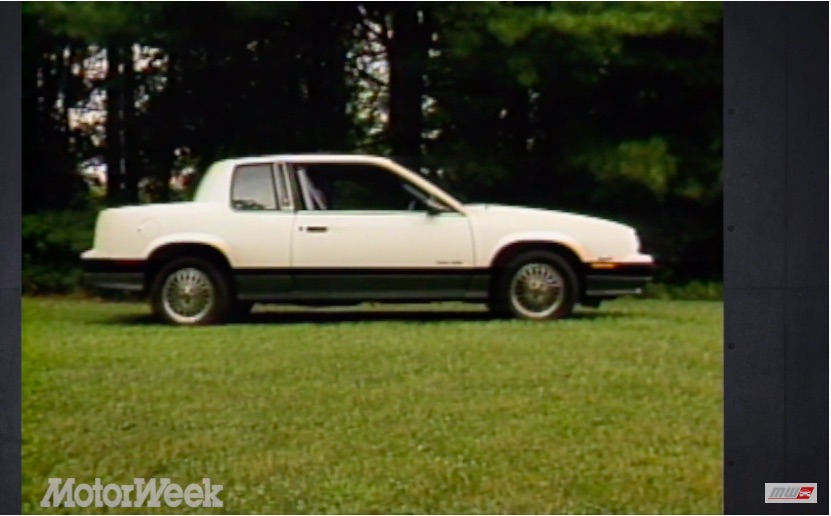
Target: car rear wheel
{"x":190,"y":292}
{"x":538,"y":285}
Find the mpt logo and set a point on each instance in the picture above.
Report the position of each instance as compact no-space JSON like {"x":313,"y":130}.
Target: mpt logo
{"x":790,"y":493}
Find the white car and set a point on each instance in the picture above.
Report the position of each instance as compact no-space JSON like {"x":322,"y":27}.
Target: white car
{"x":344,"y":229}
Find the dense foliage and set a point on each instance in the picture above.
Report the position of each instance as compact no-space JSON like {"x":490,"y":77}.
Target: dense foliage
{"x":606,"y":108}
{"x":52,"y":244}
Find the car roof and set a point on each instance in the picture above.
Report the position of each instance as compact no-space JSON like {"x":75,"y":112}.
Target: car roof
{"x":309,"y":158}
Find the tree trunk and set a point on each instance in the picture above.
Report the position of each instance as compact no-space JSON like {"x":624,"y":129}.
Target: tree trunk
{"x":69,"y":180}
{"x":168,"y":162}
{"x":130,"y":142}
{"x":407,"y":51}
{"x":53,"y":166}
{"x":114,"y":152}
{"x":326,"y":83}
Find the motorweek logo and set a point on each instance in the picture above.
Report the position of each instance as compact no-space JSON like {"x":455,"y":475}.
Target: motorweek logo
{"x":141,"y":493}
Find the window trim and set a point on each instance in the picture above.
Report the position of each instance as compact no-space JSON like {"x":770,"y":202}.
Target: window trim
{"x":282,"y":183}
{"x":274,"y":188}
{"x":305,"y":194}
{"x":296,"y":194}
{"x":303,"y":200}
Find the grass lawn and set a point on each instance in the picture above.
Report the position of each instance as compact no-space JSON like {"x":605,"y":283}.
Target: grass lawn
{"x":408,"y":409}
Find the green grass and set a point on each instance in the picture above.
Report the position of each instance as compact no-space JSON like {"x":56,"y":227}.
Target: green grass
{"x":432,"y":409}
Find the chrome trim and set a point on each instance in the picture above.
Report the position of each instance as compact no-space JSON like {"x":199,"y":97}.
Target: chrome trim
{"x":188,"y":295}
{"x":285,"y":193}
{"x":619,"y":292}
{"x":537,"y":290}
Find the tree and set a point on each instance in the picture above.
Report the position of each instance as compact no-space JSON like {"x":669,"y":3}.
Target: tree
{"x":603,"y":107}
{"x":407,"y":49}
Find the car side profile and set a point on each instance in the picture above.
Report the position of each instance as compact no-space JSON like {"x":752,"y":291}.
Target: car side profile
{"x":344,"y":229}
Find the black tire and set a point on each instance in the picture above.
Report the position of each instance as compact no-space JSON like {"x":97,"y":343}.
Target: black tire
{"x":549,"y":262}
{"x":216,"y":312}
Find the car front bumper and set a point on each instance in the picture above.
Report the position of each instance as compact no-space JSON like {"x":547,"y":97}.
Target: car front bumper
{"x":608,"y":279}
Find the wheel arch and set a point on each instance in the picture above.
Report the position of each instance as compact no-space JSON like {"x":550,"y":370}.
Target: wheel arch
{"x":513,"y":249}
{"x":164,"y":253}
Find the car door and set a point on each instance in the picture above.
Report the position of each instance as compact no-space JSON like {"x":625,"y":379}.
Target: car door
{"x":362,"y":231}
{"x":259,"y":231}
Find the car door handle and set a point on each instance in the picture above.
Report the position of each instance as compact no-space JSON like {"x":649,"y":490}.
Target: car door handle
{"x":317,"y":229}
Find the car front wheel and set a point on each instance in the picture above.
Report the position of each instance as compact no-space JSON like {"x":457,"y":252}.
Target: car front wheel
{"x":190,"y":292}
{"x":539,"y":285}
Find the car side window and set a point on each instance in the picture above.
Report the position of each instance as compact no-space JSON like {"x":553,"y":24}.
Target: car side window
{"x":254,"y":188}
{"x":355,"y":187}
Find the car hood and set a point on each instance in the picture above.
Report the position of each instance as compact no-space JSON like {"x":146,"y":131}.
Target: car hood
{"x":601,"y":237}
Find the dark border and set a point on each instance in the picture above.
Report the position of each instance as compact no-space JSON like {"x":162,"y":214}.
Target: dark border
{"x":775,"y":253}
{"x":10,"y":257}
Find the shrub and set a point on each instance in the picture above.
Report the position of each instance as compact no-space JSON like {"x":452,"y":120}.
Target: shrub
{"x":52,"y":244}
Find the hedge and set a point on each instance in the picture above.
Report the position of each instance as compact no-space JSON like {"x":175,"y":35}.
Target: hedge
{"x":52,"y":244}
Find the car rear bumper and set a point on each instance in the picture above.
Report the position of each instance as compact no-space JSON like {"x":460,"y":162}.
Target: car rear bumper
{"x":126,"y":275}
{"x":613,"y":279}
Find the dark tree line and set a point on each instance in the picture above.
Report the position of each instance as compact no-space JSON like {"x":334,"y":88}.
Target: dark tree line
{"x":603,"y":107}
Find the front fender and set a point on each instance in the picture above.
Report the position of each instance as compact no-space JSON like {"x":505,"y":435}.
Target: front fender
{"x":552,"y":237}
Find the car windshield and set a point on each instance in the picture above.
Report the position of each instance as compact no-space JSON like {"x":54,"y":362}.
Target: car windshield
{"x":438,"y":180}
{"x":445,"y":185}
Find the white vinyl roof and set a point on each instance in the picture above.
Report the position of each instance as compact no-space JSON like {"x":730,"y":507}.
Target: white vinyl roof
{"x":308,"y":158}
